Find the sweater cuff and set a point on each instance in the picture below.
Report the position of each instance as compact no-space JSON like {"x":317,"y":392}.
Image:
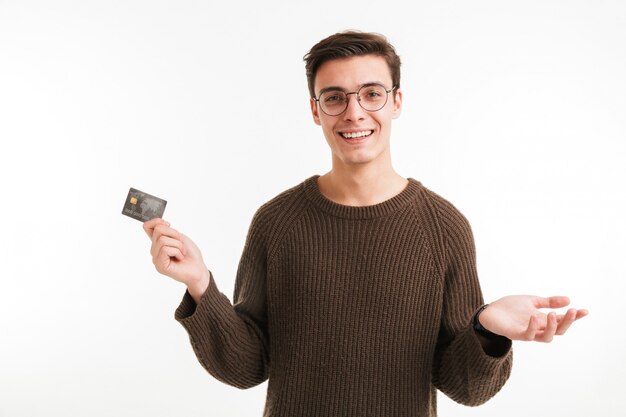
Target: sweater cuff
{"x":188,"y":307}
{"x":502,"y":349}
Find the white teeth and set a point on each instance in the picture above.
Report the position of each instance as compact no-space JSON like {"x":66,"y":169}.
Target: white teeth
{"x":354,"y":135}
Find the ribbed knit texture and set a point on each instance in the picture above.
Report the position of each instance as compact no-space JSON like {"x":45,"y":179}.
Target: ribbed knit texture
{"x":350,"y":311}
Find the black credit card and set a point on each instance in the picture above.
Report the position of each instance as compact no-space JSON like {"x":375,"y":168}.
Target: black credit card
{"x":143,"y":206}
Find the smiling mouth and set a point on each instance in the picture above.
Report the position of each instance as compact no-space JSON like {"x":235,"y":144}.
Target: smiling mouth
{"x":356,"y":135}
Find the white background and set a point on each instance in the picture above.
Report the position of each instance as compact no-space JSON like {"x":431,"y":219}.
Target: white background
{"x":513,"y":111}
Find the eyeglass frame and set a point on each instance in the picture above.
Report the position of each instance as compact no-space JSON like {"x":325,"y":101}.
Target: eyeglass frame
{"x":358,"y":98}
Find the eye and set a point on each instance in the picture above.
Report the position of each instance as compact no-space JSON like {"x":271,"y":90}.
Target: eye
{"x":372,"y":94}
{"x":331,"y":97}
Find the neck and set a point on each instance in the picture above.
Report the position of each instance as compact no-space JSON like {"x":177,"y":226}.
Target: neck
{"x":361,"y":185}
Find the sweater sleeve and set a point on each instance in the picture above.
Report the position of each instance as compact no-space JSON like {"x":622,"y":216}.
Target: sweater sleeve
{"x":462,"y":370}
{"x":230,"y":340}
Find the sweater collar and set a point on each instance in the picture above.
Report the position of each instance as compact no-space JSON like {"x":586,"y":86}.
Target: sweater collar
{"x":406,"y":196}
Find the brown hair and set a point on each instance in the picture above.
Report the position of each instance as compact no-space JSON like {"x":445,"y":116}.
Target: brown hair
{"x":347,"y":44}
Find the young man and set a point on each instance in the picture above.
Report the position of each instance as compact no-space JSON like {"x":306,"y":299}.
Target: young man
{"x":357,"y":293}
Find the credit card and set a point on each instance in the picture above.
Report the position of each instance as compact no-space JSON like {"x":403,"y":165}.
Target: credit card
{"x":143,"y":206}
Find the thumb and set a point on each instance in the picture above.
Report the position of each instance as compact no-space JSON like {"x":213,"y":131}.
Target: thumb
{"x":556,"y":301}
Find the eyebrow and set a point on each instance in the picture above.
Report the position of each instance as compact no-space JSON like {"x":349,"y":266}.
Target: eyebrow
{"x":325,"y":89}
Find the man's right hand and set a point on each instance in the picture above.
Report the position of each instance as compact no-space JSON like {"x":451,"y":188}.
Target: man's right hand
{"x":175,"y":255}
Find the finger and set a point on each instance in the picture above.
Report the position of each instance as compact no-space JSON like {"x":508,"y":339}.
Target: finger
{"x":581,"y":313}
{"x":148,"y":226}
{"x":165,"y":230}
{"x":552,"y":302}
{"x":533,"y":327}
{"x":164,"y":259}
{"x":548,"y":334}
{"x":565,"y":321}
{"x":171,"y":253}
{"x":167,"y":241}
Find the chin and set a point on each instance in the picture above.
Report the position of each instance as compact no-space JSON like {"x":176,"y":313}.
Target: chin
{"x":357,"y":159}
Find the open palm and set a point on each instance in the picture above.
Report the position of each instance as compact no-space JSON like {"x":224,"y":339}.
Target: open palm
{"x":518,"y":317}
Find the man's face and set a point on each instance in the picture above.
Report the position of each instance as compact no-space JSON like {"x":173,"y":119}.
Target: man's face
{"x":373,"y":129}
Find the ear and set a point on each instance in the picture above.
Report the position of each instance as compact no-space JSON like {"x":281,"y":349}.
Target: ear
{"x":397,"y":104}
{"x":314,"y":112}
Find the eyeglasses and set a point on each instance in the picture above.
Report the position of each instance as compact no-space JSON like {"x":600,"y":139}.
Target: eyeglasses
{"x":371,"y":97}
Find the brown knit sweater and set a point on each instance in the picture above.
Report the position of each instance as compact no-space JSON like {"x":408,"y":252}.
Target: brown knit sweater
{"x":350,"y":311}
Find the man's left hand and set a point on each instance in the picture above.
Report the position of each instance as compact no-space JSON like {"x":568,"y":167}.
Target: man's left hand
{"x":518,"y":317}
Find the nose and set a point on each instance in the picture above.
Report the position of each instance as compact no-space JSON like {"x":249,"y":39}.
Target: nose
{"x":354,"y":111}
